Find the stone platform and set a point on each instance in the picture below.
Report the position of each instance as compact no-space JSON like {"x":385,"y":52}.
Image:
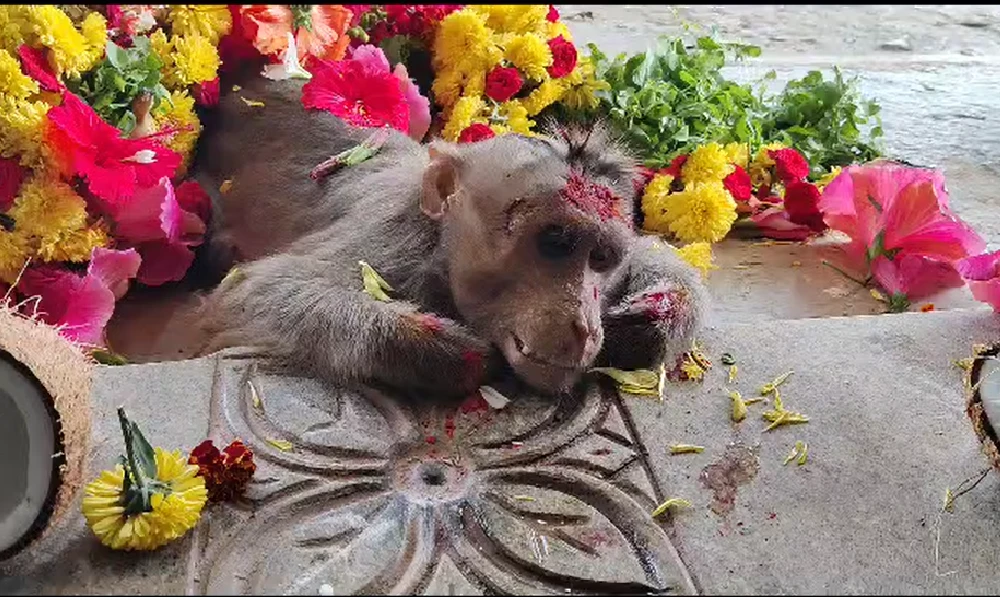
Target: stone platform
{"x":383,"y":495}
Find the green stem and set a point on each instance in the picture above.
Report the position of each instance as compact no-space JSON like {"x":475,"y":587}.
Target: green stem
{"x":842,"y":272}
{"x":129,"y":448}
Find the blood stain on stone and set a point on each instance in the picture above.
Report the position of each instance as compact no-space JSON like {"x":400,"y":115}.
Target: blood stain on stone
{"x":430,"y":439}
{"x":474,"y":403}
{"x":738,"y":466}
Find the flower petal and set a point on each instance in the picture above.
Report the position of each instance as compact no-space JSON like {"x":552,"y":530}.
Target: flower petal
{"x":163,"y":261}
{"x":81,"y":305}
{"x":114,"y":268}
{"x":774,"y":223}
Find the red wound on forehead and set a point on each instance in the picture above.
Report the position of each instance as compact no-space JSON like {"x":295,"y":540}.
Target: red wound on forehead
{"x":661,"y":306}
{"x":591,"y":198}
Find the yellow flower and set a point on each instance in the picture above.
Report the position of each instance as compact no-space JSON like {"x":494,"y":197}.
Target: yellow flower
{"x":14,"y":251}
{"x":517,"y":117}
{"x":47,"y":207}
{"x":173,"y":513}
{"x":760,"y":168}
{"x":585,"y":85}
{"x":72,"y":246}
{"x":738,"y":153}
{"x":826,"y":179}
{"x":447,"y":87}
{"x":462,"y":35}
{"x":14,"y":84}
{"x":514,"y":18}
{"x":465,"y":110}
{"x":655,"y":201}
{"x":699,"y":256}
{"x":70,"y":51}
{"x":530,"y":54}
{"x":211,"y":21}
{"x":186,"y":59}
{"x":703,"y":212}
{"x":13,"y":23}
{"x":21,"y":126}
{"x":499,"y":129}
{"x":705,"y":164}
{"x":549,"y":92}
{"x":179,"y":113}
{"x":554,"y":30}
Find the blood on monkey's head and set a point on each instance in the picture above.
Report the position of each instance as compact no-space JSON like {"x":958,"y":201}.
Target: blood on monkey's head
{"x":534,"y":228}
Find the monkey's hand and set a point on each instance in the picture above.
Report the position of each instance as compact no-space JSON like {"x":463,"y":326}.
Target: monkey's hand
{"x":658,"y":309}
{"x":293,"y":308}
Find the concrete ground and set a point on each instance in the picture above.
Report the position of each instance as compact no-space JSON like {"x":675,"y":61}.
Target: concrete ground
{"x":389,"y":495}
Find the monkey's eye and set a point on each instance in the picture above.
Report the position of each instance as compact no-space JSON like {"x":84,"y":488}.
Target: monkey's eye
{"x":602,"y":259}
{"x":556,"y":242}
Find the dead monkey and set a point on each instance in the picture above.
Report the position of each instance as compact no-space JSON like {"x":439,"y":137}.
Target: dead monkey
{"x":515,"y":248}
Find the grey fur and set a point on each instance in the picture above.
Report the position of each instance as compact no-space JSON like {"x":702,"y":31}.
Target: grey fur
{"x":299,"y":292}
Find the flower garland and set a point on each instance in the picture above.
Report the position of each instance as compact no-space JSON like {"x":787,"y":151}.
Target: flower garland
{"x":497,"y":66}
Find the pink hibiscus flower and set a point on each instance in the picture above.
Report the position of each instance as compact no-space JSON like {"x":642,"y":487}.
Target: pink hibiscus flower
{"x":359,"y":91}
{"x":899,"y":223}
{"x":112,"y":166}
{"x":982,"y":273}
{"x":163,"y":225}
{"x":81,"y":305}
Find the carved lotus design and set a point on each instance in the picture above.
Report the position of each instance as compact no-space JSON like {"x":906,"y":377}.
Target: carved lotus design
{"x":384,"y":496}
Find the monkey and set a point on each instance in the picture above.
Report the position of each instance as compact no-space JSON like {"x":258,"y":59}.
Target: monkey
{"x":515,"y":253}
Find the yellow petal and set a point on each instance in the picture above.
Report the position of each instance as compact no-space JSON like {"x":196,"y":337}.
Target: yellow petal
{"x":686,"y":449}
{"x":739,"y":407}
{"x":373,"y":283}
{"x":642,"y":382}
{"x":251,"y":103}
{"x":668,"y":504}
{"x":281,"y":445}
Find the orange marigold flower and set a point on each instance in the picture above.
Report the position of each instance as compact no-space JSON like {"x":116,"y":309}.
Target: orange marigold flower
{"x":226,"y":473}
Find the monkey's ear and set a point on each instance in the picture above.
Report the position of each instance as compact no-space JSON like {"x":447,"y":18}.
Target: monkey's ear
{"x":440,"y":179}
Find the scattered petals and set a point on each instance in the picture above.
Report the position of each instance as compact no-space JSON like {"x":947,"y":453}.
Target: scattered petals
{"x":668,"y":504}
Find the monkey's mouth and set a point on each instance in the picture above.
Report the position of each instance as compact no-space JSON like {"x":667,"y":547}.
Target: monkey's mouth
{"x":525,"y":353}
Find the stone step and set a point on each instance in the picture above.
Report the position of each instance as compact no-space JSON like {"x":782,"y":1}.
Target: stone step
{"x":402,"y":495}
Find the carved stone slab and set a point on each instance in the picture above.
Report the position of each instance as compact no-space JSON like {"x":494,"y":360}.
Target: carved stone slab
{"x":380,"y":495}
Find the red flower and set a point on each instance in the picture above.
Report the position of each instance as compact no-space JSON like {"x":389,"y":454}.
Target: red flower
{"x":475,"y":133}
{"x":80,"y":305}
{"x":502,"y":83}
{"x":802,"y":205}
{"x":641,"y":179}
{"x":11,"y":176}
{"x":362,"y":97}
{"x":674,"y":168}
{"x":738,"y":184}
{"x":553,"y":15}
{"x":226,"y":473}
{"x":789,"y":165}
{"x":235,"y":49}
{"x":112,"y":166}
{"x":563,"y":57}
{"x":36,"y":66}
{"x":206,"y":93}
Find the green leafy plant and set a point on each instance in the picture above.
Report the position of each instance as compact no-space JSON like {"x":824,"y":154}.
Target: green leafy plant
{"x":123,"y":74}
{"x":674,"y":98}
{"x":827,"y":121}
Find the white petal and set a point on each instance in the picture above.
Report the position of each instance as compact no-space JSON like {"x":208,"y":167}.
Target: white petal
{"x":495,"y":399}
{"x":143,"y":157}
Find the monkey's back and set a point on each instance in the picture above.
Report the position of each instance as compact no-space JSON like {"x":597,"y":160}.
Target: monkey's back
{"x":267,"y":153}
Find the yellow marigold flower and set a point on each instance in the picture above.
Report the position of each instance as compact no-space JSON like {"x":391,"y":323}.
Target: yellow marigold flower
{"x":70,"y":51}
{"x":706,"y":163}
{"x":826,"y":179}
{"x":514,"y":18}
{"x":554,"y":30}
{"x":210,"y":21}
{"x":461,"y":35}
{"x":704,"y":212}
{"x":447,"y":87}
{"x":179,"y":113}
{"x":699,"y":256}
{"x":72,"y":246}
{"x":47,"y":207}
{"x":738,"y":153}
{"x":13,"y":23}
{"x":14,"y":252}
{"x":655,"y":201}
{"x":760,"y":168}
{"x":466,"y":109}
{"x":530,"y":54}
{"x":173,"y":513}
{"x":546,"y":94}
{"x":186,"y":59}
{"x":517,"y":117}
{"x":13,"y":83}
{"x":585,"y":85}
{"x":21,"y":126}
{"x":499,"y":129}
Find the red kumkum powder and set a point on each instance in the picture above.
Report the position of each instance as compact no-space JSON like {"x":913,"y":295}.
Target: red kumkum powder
{"x":590,"y":197}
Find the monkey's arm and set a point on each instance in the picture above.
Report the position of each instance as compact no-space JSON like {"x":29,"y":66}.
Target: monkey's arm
{"x":303,"y":311}
{"x":655,"y":310}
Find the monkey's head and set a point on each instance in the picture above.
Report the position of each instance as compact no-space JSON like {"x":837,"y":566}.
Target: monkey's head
{"x":533,"y":230}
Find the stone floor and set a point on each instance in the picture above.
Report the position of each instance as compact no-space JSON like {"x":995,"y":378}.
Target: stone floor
{"x":405,"y":495}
